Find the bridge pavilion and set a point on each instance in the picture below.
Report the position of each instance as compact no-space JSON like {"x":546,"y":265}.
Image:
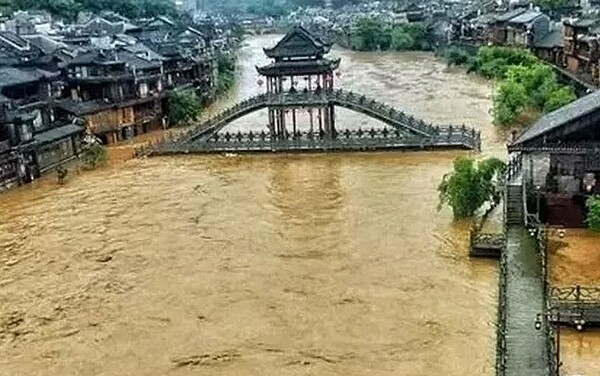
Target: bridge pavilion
{"x":300,"y":66}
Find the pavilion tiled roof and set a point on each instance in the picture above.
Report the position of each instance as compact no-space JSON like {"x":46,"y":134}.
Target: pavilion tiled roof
{"x":298,"y":42}
{"x":299,"y":67}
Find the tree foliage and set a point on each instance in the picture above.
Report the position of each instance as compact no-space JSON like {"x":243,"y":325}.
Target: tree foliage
{"x":371,"y":34}
{"x":93,"y":156}
{"x":69,"y":9}
{"x":226,"y":72}
{"x":525,"y":84}
{"x":184,"y":107}
{"x":551,"y":5}
{"x":592,"y":219}
{"x":470,"y":185}
{"x":529,"y":88}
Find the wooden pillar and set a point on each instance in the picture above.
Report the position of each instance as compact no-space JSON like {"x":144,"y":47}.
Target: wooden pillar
{"x":310,"y":114}
{"x":281,"y":123}
{"x":272,"y":122}
{"x":294,"y":120}
{"x":320,"y":120}
{"x":331,"y":111}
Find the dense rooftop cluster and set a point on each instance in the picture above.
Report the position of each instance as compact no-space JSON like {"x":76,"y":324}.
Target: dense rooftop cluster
{"x":104,"y":75}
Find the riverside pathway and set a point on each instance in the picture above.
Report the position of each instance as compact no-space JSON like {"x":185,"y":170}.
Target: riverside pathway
{"x":526,"y":352}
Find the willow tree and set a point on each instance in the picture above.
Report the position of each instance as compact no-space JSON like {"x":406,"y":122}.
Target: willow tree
{"x":470,"y":185}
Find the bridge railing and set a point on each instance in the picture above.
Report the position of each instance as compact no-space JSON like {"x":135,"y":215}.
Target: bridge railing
{"x":501,"y":347}
{"x":468,"y":136}
{"x":466,"y":139}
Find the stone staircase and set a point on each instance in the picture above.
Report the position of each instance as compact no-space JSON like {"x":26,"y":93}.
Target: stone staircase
{"x":514,"y":203}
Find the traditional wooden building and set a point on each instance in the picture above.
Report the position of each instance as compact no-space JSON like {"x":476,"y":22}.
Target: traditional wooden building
{"x":497,"y":27}
{"x":581,"y":47}
{"x":561,"y":162}
{"x":527,"y":28}
{"x":34,"y":138}
{"x":300,"y":65}
{"x":118,"y":92}
{"x":188,"y":57}
{"x":550,"y":47}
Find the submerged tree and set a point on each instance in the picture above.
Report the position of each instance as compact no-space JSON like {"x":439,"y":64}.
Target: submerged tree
{"x":92,"y":156}
{"x":470,"y":185}
{"x":593,"y":216}
{"x":184,"y":107}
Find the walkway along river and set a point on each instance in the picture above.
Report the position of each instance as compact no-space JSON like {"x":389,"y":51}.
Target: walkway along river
{"x":288,"y":265}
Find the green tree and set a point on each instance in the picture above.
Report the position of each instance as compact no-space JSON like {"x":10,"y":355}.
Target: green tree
{"x":184,"y":107}
{"x":69,"y":9}
{"x":367,"y":34}
{"x":226,"y":72}
{"x":470,"y":185}
{"x":509,"y":101}
{"x":528,"y":88}
{"x":593,"y":215}
{"x":401,"y":40}
{"x":551,"y":5}
{"x":93,"y":156}
{"x":494,"y":62}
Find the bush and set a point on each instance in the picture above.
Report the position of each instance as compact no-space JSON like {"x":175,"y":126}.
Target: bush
{"x":458,"y":56}
{"x":469,"y":186}
{"x":592,"y":219}
{"x":93,"y":156}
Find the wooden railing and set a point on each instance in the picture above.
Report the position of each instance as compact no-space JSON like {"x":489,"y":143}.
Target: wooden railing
{"x":513,"y":168}
{"x":501,"y":348}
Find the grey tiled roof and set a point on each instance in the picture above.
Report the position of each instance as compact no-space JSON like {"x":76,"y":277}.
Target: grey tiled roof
{"x":582,"y":22}
{"x":553,"y":39}
{"x":526,"y":17}
{"x":510,"y":14}
{"x":12,"y":76}
{"x":83,"y":108}
{"x":56,"y":134}
{"x":563,"y":116}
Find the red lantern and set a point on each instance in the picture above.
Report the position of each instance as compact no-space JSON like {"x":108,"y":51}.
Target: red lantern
{"x":260,"y":82}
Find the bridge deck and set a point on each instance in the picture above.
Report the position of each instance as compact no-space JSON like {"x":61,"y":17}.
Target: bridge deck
{"x":526,"y":347}
{"x":245,"y":143}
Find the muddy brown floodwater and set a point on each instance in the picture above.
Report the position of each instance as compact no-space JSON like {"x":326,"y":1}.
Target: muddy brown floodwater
{"x":574,"y":260}
{"x":258,"y":265}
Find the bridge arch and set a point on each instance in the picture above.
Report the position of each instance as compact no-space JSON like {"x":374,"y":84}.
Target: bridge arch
{"x":403,"y":123}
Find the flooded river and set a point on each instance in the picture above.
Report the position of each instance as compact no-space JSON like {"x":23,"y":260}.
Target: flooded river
{"x":574,"y":260}
{"x":257,"y":265}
